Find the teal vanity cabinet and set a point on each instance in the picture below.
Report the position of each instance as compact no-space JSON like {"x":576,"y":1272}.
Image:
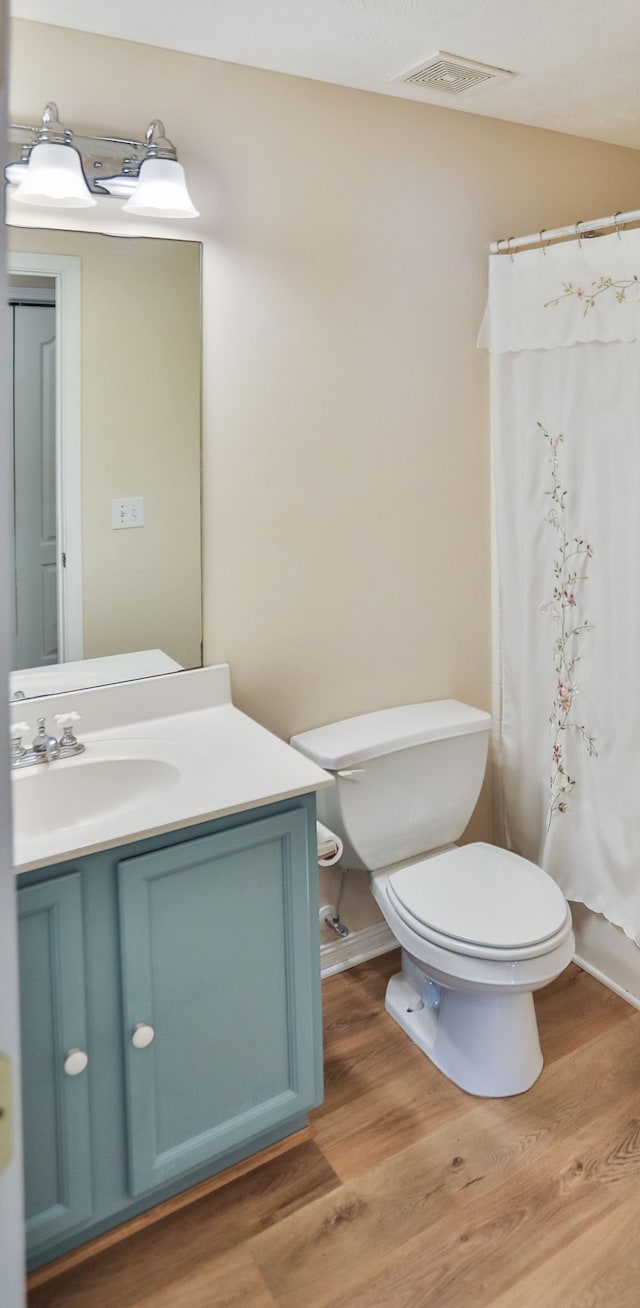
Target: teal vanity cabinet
{"x":186,"y":969}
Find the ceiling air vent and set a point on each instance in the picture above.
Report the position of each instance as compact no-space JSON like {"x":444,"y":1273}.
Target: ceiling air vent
{"x":452,"y":75}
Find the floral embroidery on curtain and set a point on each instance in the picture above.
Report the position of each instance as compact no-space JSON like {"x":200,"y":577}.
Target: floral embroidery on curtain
{"x":568,"y":580}
{"x":588,"y":296}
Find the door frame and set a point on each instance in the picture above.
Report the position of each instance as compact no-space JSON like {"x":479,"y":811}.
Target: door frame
{"x":65,"y":270}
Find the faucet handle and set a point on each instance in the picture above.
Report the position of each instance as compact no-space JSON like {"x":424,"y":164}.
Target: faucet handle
{"x":17,"y":731}
{"x":67,"y":721}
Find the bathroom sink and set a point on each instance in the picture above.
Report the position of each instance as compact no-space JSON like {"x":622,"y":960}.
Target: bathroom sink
{"x":72,"y":793}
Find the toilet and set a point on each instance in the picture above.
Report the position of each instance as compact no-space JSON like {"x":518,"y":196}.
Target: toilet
{"x":480,"y":928}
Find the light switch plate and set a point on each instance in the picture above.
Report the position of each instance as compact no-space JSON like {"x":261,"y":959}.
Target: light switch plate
{"x":127,"y":512}
{"x":6,"y":1116}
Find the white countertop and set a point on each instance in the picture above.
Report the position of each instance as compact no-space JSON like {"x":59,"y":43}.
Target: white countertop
{"x":224,"y":763}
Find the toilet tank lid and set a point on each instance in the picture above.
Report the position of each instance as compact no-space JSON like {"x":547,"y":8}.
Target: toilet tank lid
{"x":354,"y":740}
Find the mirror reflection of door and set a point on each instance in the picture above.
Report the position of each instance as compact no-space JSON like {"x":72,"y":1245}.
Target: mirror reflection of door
{"x":128,"y":358}
{"x":34,"y":476}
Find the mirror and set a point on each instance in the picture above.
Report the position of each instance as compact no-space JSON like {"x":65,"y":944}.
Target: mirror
{"x":107,"y":397}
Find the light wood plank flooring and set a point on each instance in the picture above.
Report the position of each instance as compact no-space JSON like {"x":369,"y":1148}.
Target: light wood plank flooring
{"x":412,"y":1194}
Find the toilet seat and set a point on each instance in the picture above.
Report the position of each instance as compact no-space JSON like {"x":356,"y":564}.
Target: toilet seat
{"x":481,"y":901}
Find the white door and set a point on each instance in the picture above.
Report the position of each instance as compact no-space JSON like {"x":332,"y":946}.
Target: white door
{"x":34,"y":480}
{"x":11,"y":1201}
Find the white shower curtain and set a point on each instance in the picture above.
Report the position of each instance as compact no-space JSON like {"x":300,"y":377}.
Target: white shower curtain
{"x":563,"y":328}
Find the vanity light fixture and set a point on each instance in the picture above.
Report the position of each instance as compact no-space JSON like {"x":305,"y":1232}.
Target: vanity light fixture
{"x":57,"y":168}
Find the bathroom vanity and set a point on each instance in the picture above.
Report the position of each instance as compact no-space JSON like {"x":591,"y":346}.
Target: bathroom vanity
{"x":169,"y":974}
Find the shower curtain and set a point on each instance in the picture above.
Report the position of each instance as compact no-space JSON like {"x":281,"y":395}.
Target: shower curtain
{"x":563,"y":329}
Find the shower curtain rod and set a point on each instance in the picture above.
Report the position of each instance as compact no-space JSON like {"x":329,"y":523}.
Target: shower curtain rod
{"x":510,"y":244}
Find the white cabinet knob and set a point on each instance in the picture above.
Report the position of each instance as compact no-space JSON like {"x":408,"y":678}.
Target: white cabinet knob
{"x":75,"y":1062}
{"x":142,"y":1035}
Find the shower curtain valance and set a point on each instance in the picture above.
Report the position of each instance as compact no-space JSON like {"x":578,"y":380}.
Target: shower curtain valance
{"x":572,"y":293}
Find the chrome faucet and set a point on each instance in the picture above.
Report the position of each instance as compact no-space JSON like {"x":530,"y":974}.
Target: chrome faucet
{"x":44,"y":745}
{"x":44,"y":748}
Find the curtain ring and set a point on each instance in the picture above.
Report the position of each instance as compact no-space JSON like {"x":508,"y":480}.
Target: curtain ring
{"x":578,"y":236}
{"x":509,"y":240}
{"x":617,"y":224}
{"x":544,"y":247}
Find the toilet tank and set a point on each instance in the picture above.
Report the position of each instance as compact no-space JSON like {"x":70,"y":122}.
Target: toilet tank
{"x":407,"y":779}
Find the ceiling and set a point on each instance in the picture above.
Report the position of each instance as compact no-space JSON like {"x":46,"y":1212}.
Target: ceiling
{"x":575,"y":61}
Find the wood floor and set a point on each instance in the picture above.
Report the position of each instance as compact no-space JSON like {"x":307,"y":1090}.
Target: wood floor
{"x":411,"y":1193}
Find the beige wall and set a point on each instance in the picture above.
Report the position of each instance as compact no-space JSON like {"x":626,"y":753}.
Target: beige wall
{"x":346,"y":451}
{"x":141,"y":382}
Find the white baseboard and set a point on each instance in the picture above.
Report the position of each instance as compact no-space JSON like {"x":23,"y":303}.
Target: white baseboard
{"x":607,"y":981}
{"x":604,"y":951}
{"x":339,"y":954}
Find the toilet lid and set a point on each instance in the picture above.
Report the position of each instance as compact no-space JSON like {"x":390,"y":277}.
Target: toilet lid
{"x":483,"y":896}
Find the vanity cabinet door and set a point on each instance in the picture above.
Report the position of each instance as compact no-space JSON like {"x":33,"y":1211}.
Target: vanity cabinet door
{"x":218,"y":994}
{"x":54,"y":1051}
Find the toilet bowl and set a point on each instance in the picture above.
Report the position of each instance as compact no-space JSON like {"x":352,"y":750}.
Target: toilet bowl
{"x":465,"y":992}
{"x":480,"y":928}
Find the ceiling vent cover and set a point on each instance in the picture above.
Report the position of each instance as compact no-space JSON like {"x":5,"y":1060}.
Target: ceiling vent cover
{"x":452,"y":75}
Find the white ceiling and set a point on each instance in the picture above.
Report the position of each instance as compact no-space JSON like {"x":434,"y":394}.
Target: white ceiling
{"x":576,"y":61}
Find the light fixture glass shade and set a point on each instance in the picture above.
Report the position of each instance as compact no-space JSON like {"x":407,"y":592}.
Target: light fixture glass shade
{"x":161,"y":191}
{"x":15,"y":173}
{"x":55,"y":178}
